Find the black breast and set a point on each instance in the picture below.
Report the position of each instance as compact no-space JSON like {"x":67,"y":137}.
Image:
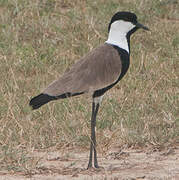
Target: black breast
{"x":124,"y":61}
{"x":124,"y":55}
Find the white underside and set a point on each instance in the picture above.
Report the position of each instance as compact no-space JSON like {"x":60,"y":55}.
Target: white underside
{"x":118,"y":32}
{"x":122,"y":43}
{"x":97,"y":100}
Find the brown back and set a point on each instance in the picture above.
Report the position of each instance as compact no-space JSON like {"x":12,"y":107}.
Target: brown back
{"x":98,"y":69}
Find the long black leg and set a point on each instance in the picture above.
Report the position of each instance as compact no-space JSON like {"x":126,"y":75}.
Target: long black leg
{"x":95,"y":108}
{"x":91,"y":156}
{"x":91,"y":146}
{"x":94,"y":138}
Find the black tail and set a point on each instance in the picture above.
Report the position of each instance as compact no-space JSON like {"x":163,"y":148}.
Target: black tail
{"x":40,"y":100}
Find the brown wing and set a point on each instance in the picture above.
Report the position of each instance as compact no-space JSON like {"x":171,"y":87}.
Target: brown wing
{"x":98,"y":69}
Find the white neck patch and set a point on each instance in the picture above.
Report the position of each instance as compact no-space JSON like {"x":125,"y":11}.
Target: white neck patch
{"x":118,"y":32}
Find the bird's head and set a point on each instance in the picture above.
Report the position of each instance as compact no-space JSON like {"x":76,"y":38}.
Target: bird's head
{"x":125,"y":22}
{"x":120,"y":28}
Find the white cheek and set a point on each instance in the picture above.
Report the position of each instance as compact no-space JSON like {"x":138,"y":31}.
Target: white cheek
{"x":118,"y":32}
{"x":122,"y":26}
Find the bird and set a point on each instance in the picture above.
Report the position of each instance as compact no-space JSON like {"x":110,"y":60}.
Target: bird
{"x":96,"y":72}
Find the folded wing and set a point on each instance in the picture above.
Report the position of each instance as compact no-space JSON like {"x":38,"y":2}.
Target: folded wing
{"x":98,"y":69}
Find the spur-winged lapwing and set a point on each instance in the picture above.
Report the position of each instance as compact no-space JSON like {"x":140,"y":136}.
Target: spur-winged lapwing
{"x":97,"y":72}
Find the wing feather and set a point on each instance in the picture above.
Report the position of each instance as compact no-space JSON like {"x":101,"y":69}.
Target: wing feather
{"x":98,"y":69}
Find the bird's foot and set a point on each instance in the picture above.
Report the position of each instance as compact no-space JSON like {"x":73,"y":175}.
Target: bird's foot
{"x":89,"y":166}
{"x":96,"y":167}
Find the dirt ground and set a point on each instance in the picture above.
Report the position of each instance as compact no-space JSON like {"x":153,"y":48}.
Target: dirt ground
{"x":117,"y":165}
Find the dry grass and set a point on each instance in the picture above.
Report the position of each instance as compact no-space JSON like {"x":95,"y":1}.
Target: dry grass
{"x":40,"y":39}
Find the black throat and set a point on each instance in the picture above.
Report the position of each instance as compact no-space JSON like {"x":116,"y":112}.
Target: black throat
{"x":129,"y":35}
{"x":125,"y":61}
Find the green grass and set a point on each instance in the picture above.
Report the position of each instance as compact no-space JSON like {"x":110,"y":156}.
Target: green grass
{"x":39,"y":40}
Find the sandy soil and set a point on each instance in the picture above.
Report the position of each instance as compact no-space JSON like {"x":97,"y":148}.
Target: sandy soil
{"x":117,"y":165}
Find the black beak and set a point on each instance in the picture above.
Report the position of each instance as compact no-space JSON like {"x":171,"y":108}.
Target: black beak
{"x":142,"y":26}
